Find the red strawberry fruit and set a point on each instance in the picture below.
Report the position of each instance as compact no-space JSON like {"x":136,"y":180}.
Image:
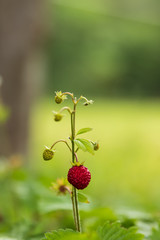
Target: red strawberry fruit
{"x":79,"y":176}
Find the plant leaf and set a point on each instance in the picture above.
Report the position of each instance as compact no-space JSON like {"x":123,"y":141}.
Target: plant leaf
{"x":109,"y":231}
{"x":66,"y":234}
{"x":84,"y":130}
{"x":60,"y":234}
{"x":113,"y":231}
{"x":155,"y":234}
{"x":87,"y":145}
{"x":80,"y":145}
{"x":82,"y":198}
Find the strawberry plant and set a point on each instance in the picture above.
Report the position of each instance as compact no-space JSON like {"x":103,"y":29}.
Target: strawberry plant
{"x":31,"y":208}
{"x":78,"y":175}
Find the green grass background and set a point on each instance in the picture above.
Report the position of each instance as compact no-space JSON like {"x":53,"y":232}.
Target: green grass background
{"x":126,"y":169}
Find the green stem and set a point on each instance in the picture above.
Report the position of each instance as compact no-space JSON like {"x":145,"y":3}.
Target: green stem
{"x":74,"y":190}
{"x":61,"y":140}
{"x":64,"y":141}
{"x":70,"y":94}
{"x":65,"y":108}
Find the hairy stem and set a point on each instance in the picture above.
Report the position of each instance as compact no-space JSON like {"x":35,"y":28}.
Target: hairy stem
{"x":74,"y":190}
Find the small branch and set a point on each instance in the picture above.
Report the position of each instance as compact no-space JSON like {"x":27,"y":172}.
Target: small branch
{"x":87,"y":101}
{"x":61,"y":140}
{"x":77,"y":150}
{"x":65,"y":108}
{"x":67,"y":188}
{"x":76,"y":157}
{"x":70,"y":94}
{"x":82,"y":97}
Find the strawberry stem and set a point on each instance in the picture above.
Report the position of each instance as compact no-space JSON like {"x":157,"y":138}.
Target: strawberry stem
{"x":74,"y":190}
{"x":61,"y":140}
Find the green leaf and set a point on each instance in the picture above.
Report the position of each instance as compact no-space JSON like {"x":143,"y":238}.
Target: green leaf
{"x":67,"y":234}
{"x":85,"y":145}
{"x":84,"y":130}
{"x":82,"y":198}
{"x":88,"y":145}
{"x":155,"y":234}
{"x":109,"y":231}
{"x":80,"y":144}
{"x":60,"y":234}
{"x":113,"y":231}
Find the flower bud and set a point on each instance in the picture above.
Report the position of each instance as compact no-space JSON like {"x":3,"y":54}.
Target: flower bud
{"x":88,"y":102}
{"x":48,"y":154}
{"x":95,"y":146}
{"x":59,"y":97}
{"x":57,"y":117}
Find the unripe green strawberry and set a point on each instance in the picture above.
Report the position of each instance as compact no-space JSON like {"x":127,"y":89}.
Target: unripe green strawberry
{"x":79,"y":176}
{"x":58,"y":117}
{"x":58,"y":99}
{"x":48,"y":154}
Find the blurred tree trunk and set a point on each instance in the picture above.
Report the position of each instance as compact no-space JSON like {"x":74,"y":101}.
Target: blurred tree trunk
{"x":21,"y":34}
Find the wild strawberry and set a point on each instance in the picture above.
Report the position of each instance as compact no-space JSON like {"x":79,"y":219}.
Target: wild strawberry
{"x":59,"y":97}
{"x":48,"y":154}
{"x":79,"y":176}
{"x":57,"y":116}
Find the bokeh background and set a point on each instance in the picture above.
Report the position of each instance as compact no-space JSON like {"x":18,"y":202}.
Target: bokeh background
{"x":108,"y":51}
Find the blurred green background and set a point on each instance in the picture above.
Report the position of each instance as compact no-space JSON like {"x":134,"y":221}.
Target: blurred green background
{"x":106,"y":48}
{"x":109,"y":52}
{"x":125,"y":170}
{"x":106,"y":51}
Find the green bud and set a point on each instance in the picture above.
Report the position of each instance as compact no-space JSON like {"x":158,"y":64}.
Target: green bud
{"x":48,"y":154}
{"x":59,"y":97}
{"x":95,"y":146}
{"x":88,"y":102}
{"x":58,"y":117}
